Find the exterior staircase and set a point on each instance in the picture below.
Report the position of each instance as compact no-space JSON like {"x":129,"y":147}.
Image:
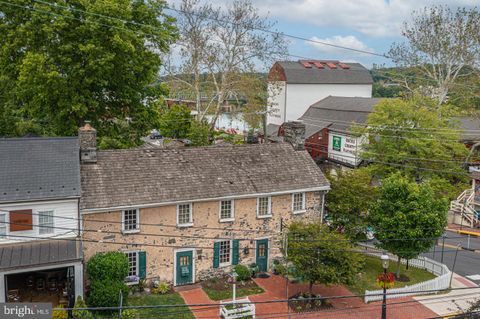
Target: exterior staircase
{"x":465,"y":208}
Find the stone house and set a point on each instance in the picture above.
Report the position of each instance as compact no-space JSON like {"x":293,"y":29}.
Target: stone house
{"x":182,"y":215}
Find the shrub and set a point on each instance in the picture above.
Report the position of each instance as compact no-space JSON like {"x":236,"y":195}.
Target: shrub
{"x":279,"y":269}
{"x":108,"y":266}
{"x":128,"y":314}
{"x":162,"y":288}
{"x":105,"y":293}
{"x":59,"y":313}
{"x":81,"y":314}
{"x":243,"y":272}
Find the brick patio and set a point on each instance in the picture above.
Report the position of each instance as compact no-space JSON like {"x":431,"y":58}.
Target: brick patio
{"x":275,"y":289}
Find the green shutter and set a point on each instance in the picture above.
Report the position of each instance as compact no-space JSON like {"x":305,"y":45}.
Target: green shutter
{"x":216,"y":255}
{"x":142,"y":264}
{"x":235,"y":254}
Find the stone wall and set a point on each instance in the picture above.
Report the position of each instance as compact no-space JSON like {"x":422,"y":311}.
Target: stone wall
{"x":161,"y":237}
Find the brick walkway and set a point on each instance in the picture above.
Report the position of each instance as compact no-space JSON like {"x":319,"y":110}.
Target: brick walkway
{"x":275,"y":289}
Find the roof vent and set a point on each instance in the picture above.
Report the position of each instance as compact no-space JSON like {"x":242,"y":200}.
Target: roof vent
{"x":318,"y":64}
{"x":306,"y":64}
{"x":343,"y":66}
{"x":331,"y":65}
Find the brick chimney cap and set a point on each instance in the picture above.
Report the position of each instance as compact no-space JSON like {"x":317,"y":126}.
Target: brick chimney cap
{"x":87,"y":127}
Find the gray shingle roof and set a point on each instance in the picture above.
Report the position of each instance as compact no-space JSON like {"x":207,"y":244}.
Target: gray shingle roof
{"x":150,"y":176}
{"x":296,"y":73}
{"x":39,"y":253}
{"x":470,"y":127}
{"x":39,"y":168}
{"x":337,"y":113}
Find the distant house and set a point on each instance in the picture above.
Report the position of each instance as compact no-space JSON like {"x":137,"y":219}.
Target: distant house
{"x":328,"y":128}
{"x":40,"y":251}
{"x":183,"y":215}
{"x":295,"y":85}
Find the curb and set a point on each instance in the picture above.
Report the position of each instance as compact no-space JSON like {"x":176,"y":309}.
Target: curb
{"x":464,"y":232}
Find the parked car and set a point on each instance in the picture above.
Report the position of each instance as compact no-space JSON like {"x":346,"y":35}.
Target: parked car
{"x":155,"y":135}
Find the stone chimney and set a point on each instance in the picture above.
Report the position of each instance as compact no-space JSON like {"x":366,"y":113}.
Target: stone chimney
{"x":294,"y":133}
{"x":87,"y":137}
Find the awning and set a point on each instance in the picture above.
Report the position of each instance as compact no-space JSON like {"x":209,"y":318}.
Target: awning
{"x":39,"y":253}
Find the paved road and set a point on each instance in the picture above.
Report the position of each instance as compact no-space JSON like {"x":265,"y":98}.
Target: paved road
{"x":468,"y":262}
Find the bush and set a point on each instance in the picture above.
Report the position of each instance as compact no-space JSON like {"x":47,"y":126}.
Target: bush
{"x":60,"y":313}
{"x":111,"y":266}
{"x":105,"y":293}
{"x":81,"y":314}
{"x":243,"y":272}
{"x":128,"y":314}
{"x":279,"y":269}
{"x":163,"y":288}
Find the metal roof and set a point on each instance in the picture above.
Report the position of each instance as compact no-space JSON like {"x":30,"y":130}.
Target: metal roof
{"x":39,"y":168}
{"x":297,"y":73}
{"x":39,"y":253}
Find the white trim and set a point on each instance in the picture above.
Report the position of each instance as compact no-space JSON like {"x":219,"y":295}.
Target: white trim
{"x":226,"y":264}
{"x":136,"y":267}
{"x":190,"y":223}
{"x":7,"y":223}
{"x":194,"y":257}
{"x":131,"y":231}
{"x":211,"y":199}
{"x":269,"y":207}
{"x":20,"y":202}
{"x":304,"y":209}
{"x":232,"y":207}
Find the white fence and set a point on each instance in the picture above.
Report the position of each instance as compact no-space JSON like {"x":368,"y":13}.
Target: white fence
{"x":441,"y":282}
{"x":244,"y":309}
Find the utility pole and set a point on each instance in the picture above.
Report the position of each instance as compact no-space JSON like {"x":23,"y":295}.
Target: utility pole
{"x":453,"y":266}
{"x":443,"y":247}
{"x":120,"y":305}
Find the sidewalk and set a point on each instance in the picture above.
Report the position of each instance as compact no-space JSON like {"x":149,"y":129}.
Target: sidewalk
{"x":454,"y":302}
{"x":463,"y":230}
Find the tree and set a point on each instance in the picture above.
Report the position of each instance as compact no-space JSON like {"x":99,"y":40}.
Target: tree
{"x":439,"y":43}
{"x":321,"y":256}
{"x":349,"y":199}
{"x":62,"y":63}
{"x":221,"y":50}
{"x":407,"y":217}
{"x":199,"y":133}
{"x":175,"y":121}
{"x":410,"y":136}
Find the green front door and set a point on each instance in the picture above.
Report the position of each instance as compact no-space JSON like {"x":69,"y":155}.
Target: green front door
{"x":262,"y":255}
{"x":184,"y":268}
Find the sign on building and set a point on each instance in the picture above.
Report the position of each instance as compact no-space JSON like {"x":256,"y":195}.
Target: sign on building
{"x":337,"y":143}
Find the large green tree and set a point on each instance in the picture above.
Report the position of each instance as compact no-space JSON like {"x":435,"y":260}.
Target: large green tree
{"x":413,"y":137}
{"x":321,"y":256}
{"x":64,"y":62}
{"x":348,"y":200}
{"x":407,"y":217}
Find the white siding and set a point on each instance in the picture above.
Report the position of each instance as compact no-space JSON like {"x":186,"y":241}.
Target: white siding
{"x":350,"y":148}
{"x":299,"y":97}
{"x":63,"y":208}
{"x":276,"y":103}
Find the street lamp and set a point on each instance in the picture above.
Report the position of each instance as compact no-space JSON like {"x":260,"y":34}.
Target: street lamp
{"x":384,"y":259}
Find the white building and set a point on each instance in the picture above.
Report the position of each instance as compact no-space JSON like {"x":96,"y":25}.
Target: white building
{"x":40,"y":247}
{"x":295,"y":85}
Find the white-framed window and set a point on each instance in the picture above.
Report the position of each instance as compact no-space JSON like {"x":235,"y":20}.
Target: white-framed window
{"x":184,"y":215}
{"x":264,"y":207}
{"x":225,"y":253}
{"x":3,"y":226}
{"x":45,"y":222}
{"x":133,"y":266}
{"x":298,"y":202}
{"x":226,"y":211}
{"x":130,"y":221}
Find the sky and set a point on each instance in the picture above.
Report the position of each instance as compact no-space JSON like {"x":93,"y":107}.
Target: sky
{"x":369,"y":25}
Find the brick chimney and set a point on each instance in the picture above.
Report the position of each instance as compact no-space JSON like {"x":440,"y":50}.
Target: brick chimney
{"x":294,"y":133}
{"x":87,"y":137}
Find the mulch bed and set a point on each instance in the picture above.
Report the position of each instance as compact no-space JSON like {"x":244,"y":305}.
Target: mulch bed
{"x":221,"y":283}
{"x":308,"y":305}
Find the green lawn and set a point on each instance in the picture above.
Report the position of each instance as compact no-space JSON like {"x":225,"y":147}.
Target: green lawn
{"x":164,"y":313}
{"x":373,"y":267}
{"x":216,"y":294}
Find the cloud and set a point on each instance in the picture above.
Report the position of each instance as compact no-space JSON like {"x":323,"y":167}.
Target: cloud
{"x":377,"y":18}
{"x":348,"y":41}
